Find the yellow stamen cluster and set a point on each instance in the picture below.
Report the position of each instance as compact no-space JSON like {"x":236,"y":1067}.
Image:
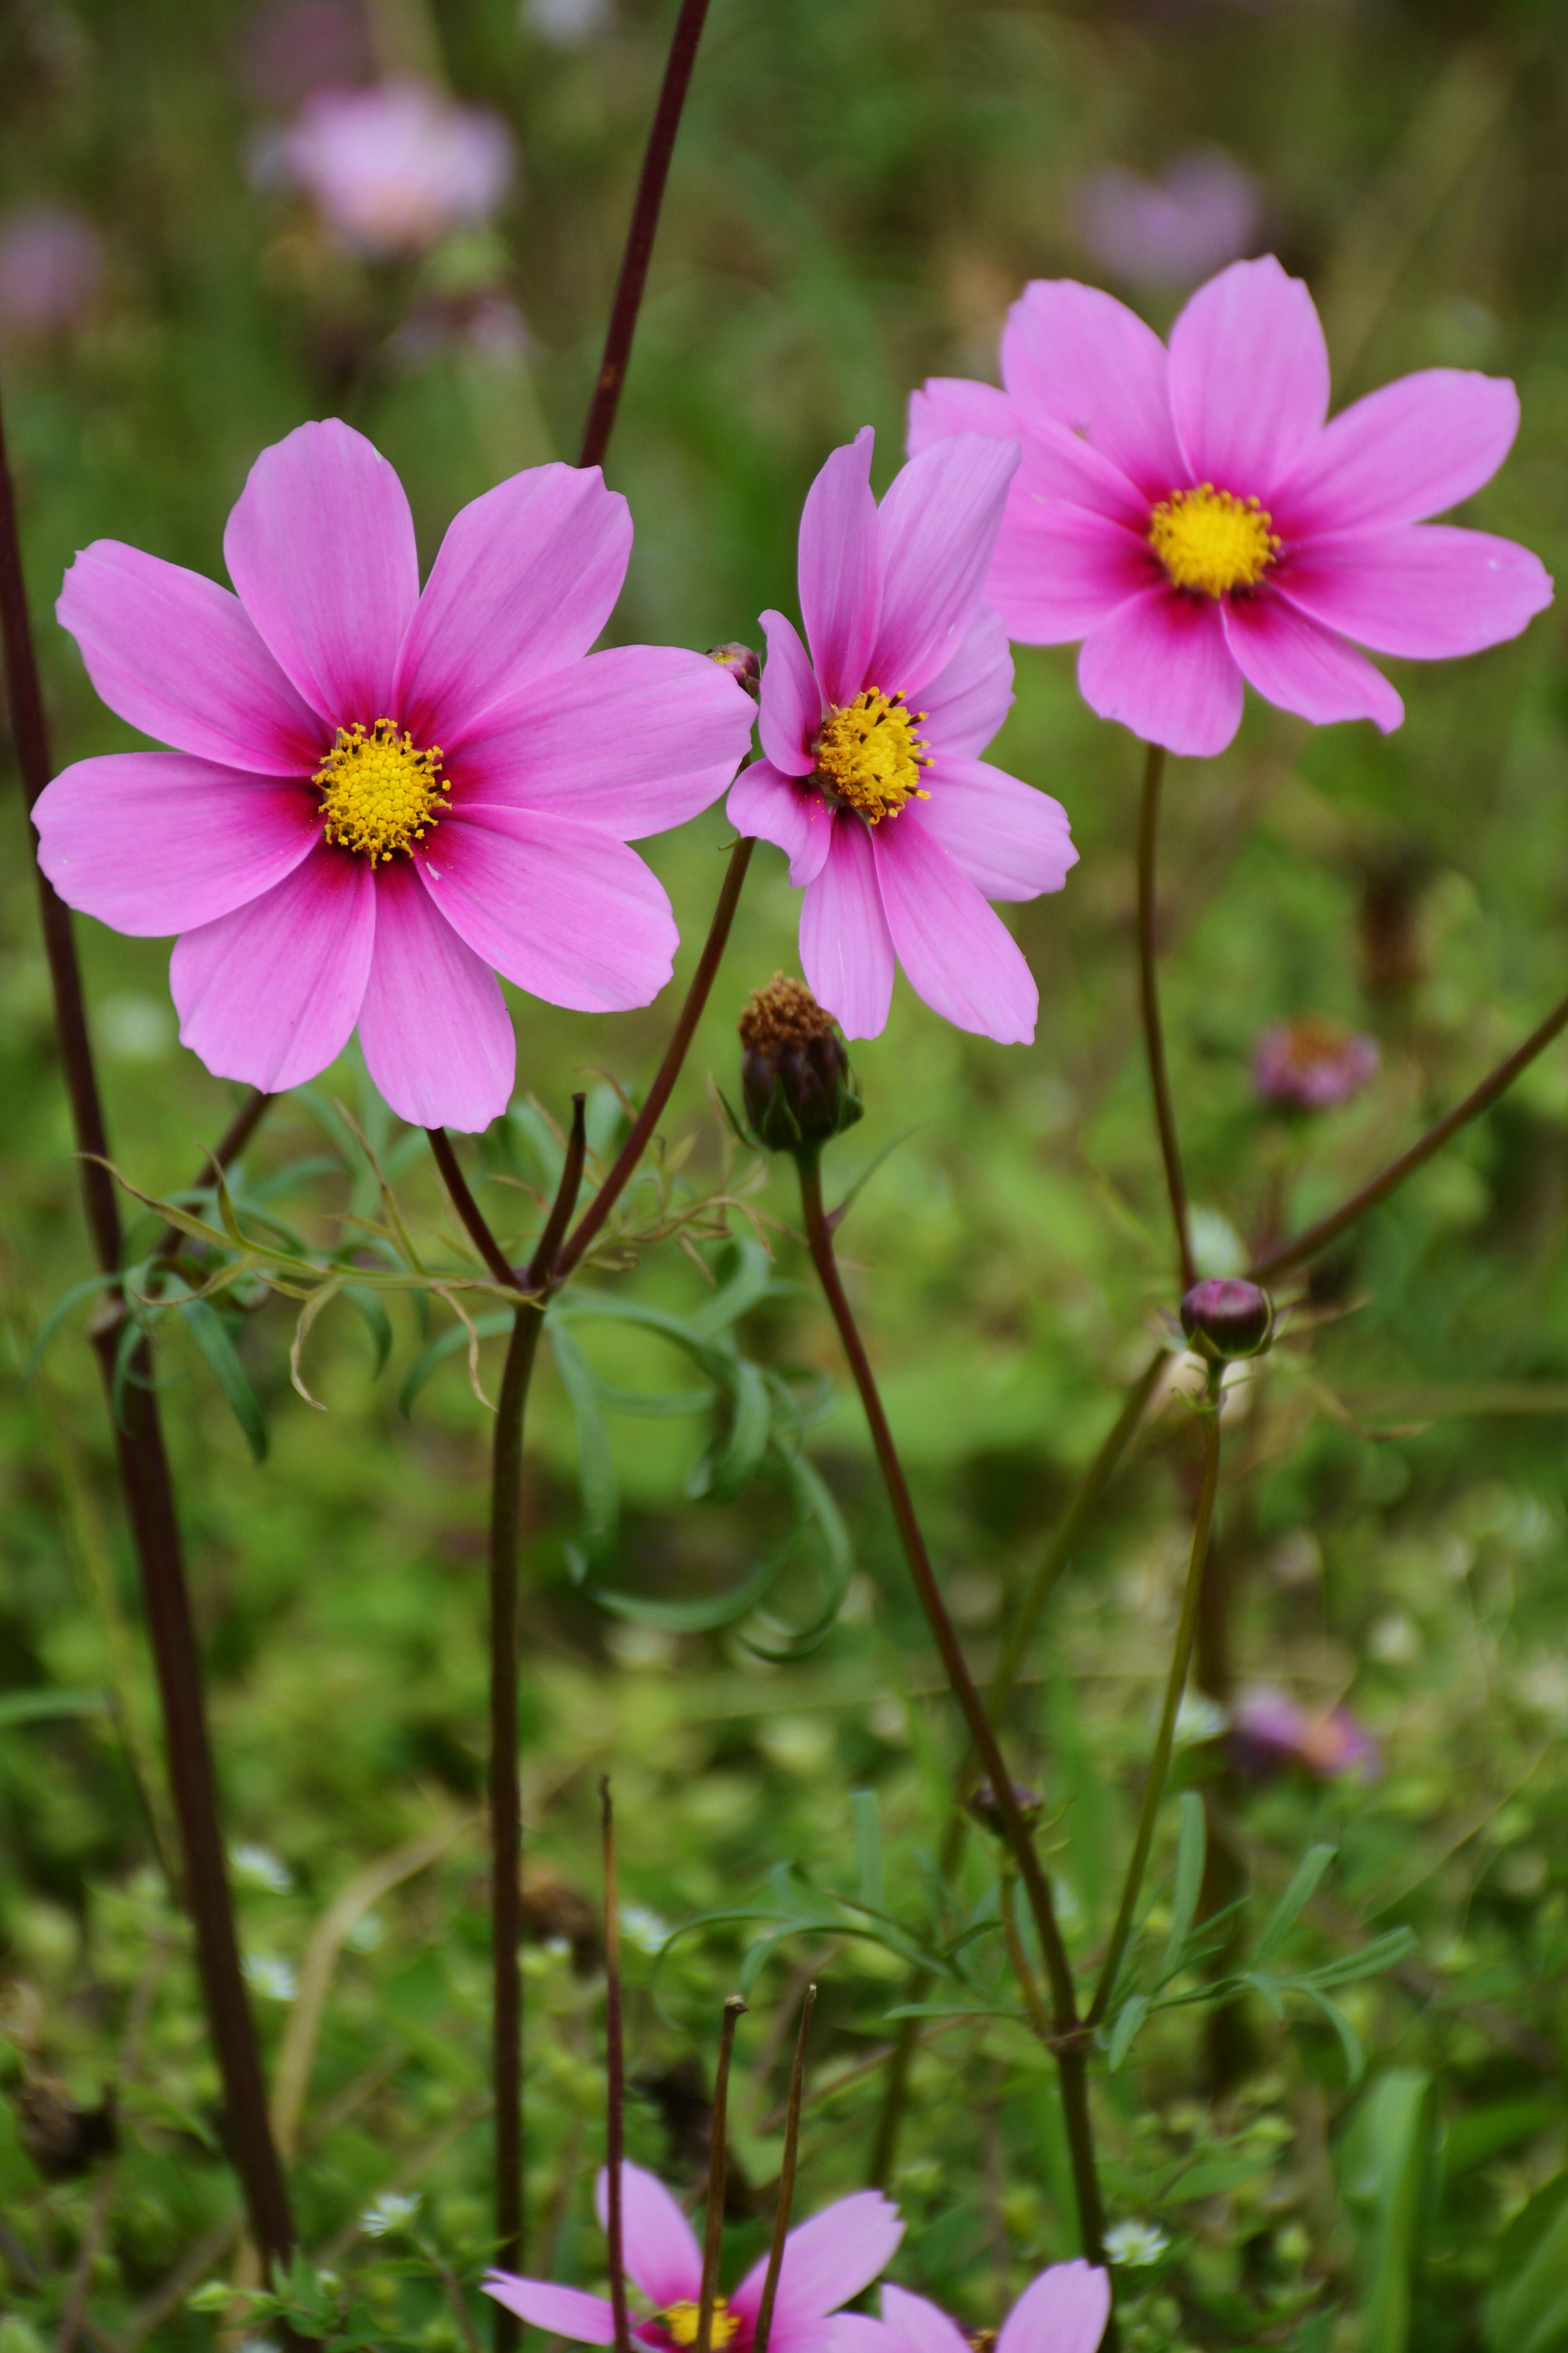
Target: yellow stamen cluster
{"x":378,"y":793}
{"x":869,"y":757}
{"x":681,"y":2319}
{"x":1212,"y":541}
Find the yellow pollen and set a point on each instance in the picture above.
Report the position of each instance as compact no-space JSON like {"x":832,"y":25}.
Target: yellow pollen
{"x":869,"y":755}
{"x":680,"y":2319}
{"x":378,"y":793}
{"x":1212,"y":541}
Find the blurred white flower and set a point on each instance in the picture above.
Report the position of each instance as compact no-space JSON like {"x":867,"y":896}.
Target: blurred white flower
{"x":51,"y":262}
{"x":566,"y":23}
{"x":272,"y":1980}
{"x":1130,"y":2244}
{"x":642,"y":1928}
{"x":1199,"y":1718}
{"x":1205,"y":211}
{"x":261,"y":1867}
{"x":392,"y":169}
{"x":391,"y":2211}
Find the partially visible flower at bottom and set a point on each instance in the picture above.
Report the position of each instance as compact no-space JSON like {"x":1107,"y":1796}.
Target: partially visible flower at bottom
{"x":1311,"y":1063}
{"x":1269,"y":1731}
{"x":1064,"y":2310}
{"x":826,"y":2262}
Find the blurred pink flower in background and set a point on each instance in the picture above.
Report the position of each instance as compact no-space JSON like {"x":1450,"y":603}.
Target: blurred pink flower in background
{"x":1313,"y":1064}
{"x":380,"y":797}
{"x":392,"y":169}
{"x":826,"y":2262}
{"x":288,"y":48}
{"x":1268,"y":1732}
{"x":1193,"y":518}
{"x":895,"y":826}
{"x":51,"y":264}
{"x":1204,"y":211}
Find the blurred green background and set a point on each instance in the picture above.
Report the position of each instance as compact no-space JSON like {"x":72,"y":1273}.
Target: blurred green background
{"x":862,"y":188}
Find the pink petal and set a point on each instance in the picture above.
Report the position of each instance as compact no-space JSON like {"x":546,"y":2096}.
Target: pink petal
{"x":939,"y":523}
{"x":922,"y":2325}
{"x":155,"y":842}
{"x":632,"y":742}
{"x":846,"y":950}
{"x":660,"y":2250}
{"x":1249,"y":377}
{"x":270,"y":994}
{"x":1059,"y":572}
{"x":1083,"y":360}
{"x":958,"y":954}
{"x":320,"y":547}
{"x":966,"y":703}
{"x":1012,"y":841}
{"x":436,"y":1035}
{"x":780,"y":809}
{"x":826,"y":2261}
{"x":1425,"y":590}
{"x":792,"y":709}
{"x":1303,"y":668}
{"x":1160,"y":664}
{"x":564,"y":2311}
{"x":1412,"y":449}
{"x":857,"y":2332}
{"x":1063,"y":2311}
{"x":524,"y":581}
{"x":179,"y":658}
{"x":565,"y":911}
{"x":841,"y":569}
{"x":946,"y":404}
{"x":1057,"y":462}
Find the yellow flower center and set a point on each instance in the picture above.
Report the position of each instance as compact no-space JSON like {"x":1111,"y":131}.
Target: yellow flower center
{"x":1212,"y":541}
{"x":869,"y":756}
{"x":680,"y":2319}
{"x":378,"y":793}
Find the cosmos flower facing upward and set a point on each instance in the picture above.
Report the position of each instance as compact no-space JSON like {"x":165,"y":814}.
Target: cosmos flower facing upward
{"x":870,"y":777}
{"x":378,"y":798}
{"x":1064,"y":2310}
{"x":826,"y":2261}
{"x":1192,"y":518}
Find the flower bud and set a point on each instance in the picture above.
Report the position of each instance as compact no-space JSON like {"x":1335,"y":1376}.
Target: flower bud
{"x":985,"y":1811}
{"x":1311,"y":1064}
{"x":742,"y":664}
{"x":1224,"y":1319}
{"x":796,"y":1080}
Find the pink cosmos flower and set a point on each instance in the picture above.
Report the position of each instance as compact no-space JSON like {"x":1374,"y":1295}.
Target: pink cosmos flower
{"x":377,"y":799}
{"x":897,"y":829}
{"x":1064,"y":2310}
{"x":1171,"y":231}
{"x":1313,"y":1064}
{"x":1268,"y":1731}
{"x":826,"y":2261}
{"x":1192,"y":518}
{"x":393,"y":168}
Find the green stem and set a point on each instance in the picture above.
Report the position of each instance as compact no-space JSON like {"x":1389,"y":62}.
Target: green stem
{"x":1148,"y":999}
{"x":1069,"y":2041}
{"x":1175,"y":1683}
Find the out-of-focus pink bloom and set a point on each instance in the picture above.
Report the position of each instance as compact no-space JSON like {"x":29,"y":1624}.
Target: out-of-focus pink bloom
{"x":1268,"y":1731}
{"x":288,"y":48}
{"x":392,"y":169}
{"x":50,"y":264}
{"x":897,"y":829}
{"x":1064,"y":2310}
{"x":1193,"y":519}
{"x":826,"y":2262}
{"x":1313,"y":1064}
{"x":1204,"y":211}
{"x":379,"y":799}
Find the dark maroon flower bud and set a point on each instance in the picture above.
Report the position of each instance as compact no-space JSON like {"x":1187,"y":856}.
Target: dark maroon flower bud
{"x":1224,"y":1319}
{"x":1311,"y":1064}
{"x":743,"y":665}
{"x":988,"y":1813}
{"x":796,"y":1080}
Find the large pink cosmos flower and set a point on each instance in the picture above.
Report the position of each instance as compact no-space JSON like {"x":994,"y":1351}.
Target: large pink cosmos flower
{"x":1193,"y":519}
{"x":826,"y":2262}
{"x":376,"y":797}
{"x":899,"y":831}
{"x":1064,"y":2310}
